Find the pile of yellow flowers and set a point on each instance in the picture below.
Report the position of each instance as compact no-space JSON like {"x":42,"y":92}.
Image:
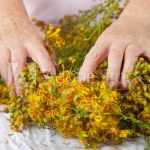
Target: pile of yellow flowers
{"x":88,"y":111}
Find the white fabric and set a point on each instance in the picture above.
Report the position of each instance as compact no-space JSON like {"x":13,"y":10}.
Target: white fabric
{"x":53,"y":10}
{"x":33,"y":138}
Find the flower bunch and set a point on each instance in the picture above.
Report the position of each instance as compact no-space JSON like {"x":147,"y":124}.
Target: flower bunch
{"x":88,"y":111}
{"x":136,"y":102}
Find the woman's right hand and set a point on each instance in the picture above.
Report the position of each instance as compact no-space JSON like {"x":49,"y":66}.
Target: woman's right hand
{"x":121,"y":43}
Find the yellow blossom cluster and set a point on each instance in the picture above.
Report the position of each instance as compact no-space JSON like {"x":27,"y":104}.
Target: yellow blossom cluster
{"x":88,"y":111}
{"x":53,"y":36}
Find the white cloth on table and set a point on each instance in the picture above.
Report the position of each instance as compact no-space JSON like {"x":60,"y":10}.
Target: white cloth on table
{"x":33,"y":138}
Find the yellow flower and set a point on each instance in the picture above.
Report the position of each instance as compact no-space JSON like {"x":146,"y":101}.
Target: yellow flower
{"x":123,"y":134}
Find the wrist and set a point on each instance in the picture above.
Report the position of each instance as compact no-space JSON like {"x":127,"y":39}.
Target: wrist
{"x":137,"y":9}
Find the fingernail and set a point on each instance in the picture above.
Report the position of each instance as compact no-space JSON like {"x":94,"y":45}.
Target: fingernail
{"x":47,"y":74}
{"x":125,"y":84}
{"x":53,"y":73}
{"x":112,"y":85}
{"x":94,"y":55}
{"x":18,"y":91}
{"x":83,"y":77}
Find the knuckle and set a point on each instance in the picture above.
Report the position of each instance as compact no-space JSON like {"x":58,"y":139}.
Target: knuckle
{"x":18,"y":55}
{"x":111,"y":32}
{"x":106,"y":36}
{"x":42,"y":53}
{"x":19,"y":60}
{"x":4,"y":61}
{"x":130,"y":50}
{"x":36,"y":38}
{"x":93,"y":53}
{"x":115,"y":52}
{"x":4,"y":57}
{"x":92,"y":58}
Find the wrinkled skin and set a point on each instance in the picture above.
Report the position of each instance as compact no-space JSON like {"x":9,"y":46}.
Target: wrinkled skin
{"x":19,"y":40}
{"x":122,"y":43}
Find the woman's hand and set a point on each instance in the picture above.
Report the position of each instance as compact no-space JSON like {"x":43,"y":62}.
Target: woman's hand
{"x":123,"y":42}
{"x":19,"y":40}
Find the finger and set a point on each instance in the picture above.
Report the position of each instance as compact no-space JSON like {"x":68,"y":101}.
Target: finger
{"x":130,"y":59}
{"x":39,"y":54}
{"x":53,"y":58}
{"x":96,"y":55}
{"x":38,"y":30}
{"x":5,"y":67}
{"x":18,"y":62}
{"x":115,"y":58}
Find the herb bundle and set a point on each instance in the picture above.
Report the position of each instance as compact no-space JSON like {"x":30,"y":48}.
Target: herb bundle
{"x":88,"y":111}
